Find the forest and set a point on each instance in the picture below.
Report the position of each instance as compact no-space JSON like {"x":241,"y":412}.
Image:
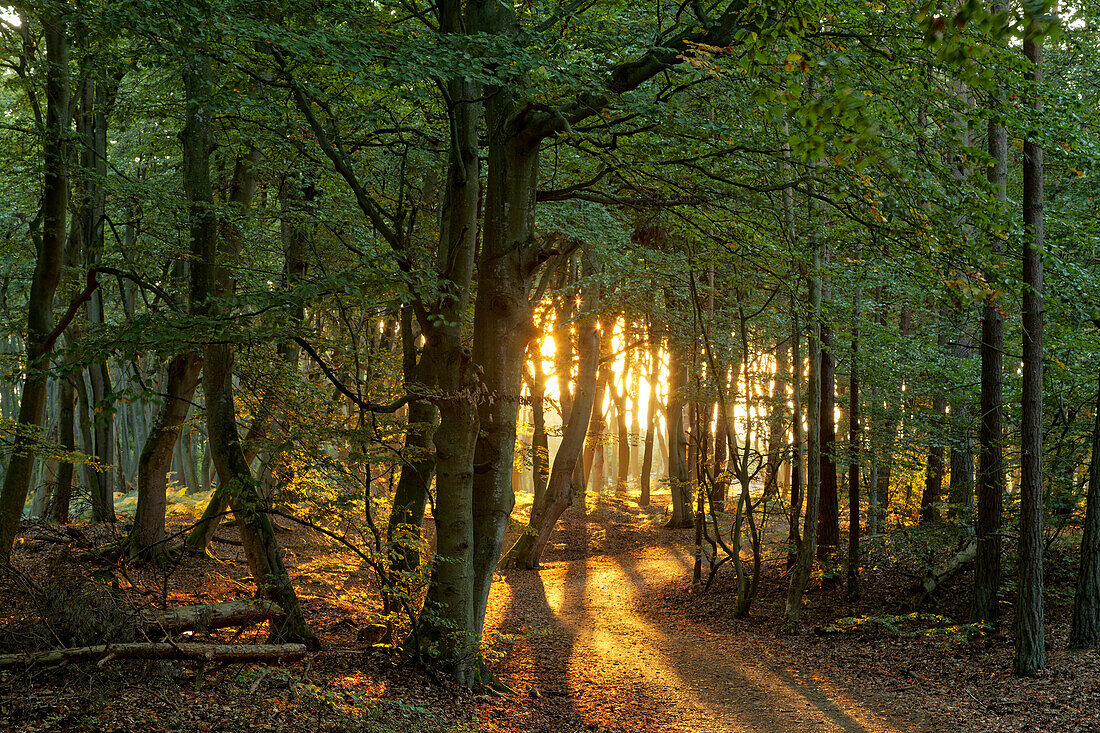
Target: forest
{"x":553,"y":365}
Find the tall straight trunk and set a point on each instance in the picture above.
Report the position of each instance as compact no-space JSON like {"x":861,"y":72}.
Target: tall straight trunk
{"x":991,"y":477}
{"x":540,"y":443}
{"x":47,"y":275}
{"x":853,"y":456}
{"x":800,"y":575}
{"x":623,"y":435}
{"x":679,"y":473}
{"x":1084,"y":631}
{"x":890,"y":435}
{"x":1030,"y":639}
{"x":777,"y":414}
{"x":146,"y":540}
{"x":635,"y":447}
{"x":590,"y":459}
{"x":528,"y":548}
{"x":651,"y":413}
{"x":960,"y":491}
{"x":207,"y":280}
{"x":58,"y":510}
{"x":103,"y":435}
{"x":794,"y":537}
{"x":933,"y":467}
{"x":828,"y":525}
{"x":187,"y":458}
{"x":88,"y":224}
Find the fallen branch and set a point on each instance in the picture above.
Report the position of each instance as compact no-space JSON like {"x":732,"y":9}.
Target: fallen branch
{"x":213,"y":616}
{"x":935,"y":577}
{"x":161,"y":650}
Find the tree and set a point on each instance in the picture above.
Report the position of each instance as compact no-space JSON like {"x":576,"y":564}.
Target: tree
{"x":1030,"y":632}
{"x":50,"y":243}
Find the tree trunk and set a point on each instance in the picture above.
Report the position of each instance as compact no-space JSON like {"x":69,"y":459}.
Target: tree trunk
{"x":207,"y":279}
{"x":777,"y":415}
{"x":651,"y":413}
{"x":991,"y":479}
{"x":960,"y":492}
{"x":933,"y":467}
{"x":47,"y":275}
{"x":527,"y":550}
{"x":58,"y":510}
{"x":853,"y":456}
{"x":418,"y":458}
{"x":146,"y":540}
{"x":540,"y":443}
{"x":828,"y":526}
{"x":679,"y":476}
{"x":800,"y":575}
{"x":618,"y":397}
{"x":794,"y":537}
{"x":1084,"y":632}
{"x":1030,"y":632}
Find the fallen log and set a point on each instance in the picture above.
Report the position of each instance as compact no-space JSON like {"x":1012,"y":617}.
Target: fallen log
{"x":161,"y":650}
{"x":213,"y":616}
{"x":935,"y":577}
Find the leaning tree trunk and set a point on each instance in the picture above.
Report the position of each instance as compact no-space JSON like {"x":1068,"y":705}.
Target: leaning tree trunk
{"x":418,"y":458}
{"x":527,"y":550}
{"x":257,"y":533}
{"x":1030,"y":632}
{"x":47,"y":275}
{"x":146,"y":540}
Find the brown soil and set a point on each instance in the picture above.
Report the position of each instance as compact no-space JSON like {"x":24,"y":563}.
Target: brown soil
{"x":609,"y":635}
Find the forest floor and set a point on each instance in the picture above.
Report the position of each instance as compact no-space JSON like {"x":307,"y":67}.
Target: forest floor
{"x":609,"y":635}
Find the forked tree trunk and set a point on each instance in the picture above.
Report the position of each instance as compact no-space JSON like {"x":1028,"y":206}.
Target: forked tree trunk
{"x":451,"y":616}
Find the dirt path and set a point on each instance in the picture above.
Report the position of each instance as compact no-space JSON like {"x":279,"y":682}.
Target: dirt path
{"x":596,"y":646}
